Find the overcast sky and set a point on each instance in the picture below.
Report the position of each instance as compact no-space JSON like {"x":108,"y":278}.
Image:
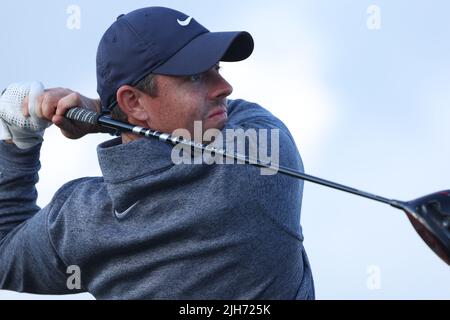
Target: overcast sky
{"x":362,"y":85}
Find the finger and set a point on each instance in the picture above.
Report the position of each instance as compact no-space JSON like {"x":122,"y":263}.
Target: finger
{"x":49,"y":101}
{"x":63,"y":123}
{"x":38,"y":109}
{"x":25,"y":110}
{"x":67,"y":103}
{"x":58,"y":120}
{"x":68,"y":129}
{"x":48,"y":106}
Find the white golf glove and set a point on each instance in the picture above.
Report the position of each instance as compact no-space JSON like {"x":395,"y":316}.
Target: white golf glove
{"x":24,"y":132}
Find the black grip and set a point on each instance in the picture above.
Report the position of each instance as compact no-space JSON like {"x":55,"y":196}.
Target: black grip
{"x":82,"y":115}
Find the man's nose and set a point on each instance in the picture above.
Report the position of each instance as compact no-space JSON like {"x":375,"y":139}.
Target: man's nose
{"x":220,"y":88}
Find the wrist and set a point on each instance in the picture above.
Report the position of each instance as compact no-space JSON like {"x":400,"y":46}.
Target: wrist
{"x":98,"y":105}
{"x":16,"y":159}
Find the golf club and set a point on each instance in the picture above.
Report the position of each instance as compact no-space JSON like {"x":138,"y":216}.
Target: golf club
{"x":430,"y":215}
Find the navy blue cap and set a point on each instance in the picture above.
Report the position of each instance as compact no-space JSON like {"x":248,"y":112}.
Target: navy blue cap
{"x":161,"y":41}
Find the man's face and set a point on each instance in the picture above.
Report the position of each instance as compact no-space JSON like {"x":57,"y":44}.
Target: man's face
{"x":181,"y":101}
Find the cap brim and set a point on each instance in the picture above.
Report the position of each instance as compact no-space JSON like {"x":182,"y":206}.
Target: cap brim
{"x":202,"y":53}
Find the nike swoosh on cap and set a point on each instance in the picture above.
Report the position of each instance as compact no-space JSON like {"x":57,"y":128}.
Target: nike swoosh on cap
{"x":122,"y":215}
{"x":184,"y":23}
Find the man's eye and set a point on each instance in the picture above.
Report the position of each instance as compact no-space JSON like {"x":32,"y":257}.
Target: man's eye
{"x":196,"y":77}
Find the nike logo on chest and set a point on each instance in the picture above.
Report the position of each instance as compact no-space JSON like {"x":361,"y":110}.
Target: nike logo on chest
{"x":123,"y":215}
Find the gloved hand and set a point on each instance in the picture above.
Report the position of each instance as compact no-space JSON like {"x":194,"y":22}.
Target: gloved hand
{"x":25,"y":132}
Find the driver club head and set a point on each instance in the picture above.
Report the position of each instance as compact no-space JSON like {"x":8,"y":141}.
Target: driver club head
{"x":430,"y":216}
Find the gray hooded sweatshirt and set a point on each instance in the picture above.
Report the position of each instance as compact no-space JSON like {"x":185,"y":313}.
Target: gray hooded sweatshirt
{"x":150,"y":229}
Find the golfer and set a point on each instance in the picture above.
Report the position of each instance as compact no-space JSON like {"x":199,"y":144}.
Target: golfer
{"x":150,"y":229}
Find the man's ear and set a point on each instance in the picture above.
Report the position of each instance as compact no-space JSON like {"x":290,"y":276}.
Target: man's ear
{"x":130,"y":101}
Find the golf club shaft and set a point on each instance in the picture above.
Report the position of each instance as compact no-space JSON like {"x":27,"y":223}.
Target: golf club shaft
{"x":86,"y":116}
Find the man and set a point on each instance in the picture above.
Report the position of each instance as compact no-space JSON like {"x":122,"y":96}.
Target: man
{"x":149,"y":229}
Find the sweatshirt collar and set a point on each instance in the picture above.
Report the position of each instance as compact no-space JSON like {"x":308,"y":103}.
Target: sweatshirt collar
{"x":123,"y":162}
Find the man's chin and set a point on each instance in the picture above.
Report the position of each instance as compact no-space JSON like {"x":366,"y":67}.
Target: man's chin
{"x":217,"y":122}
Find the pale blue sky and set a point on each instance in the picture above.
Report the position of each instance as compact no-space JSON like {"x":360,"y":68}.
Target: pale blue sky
{"x":368,"y":108}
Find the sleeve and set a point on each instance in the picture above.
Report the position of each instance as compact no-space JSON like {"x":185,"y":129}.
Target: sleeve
{"x":278,"y":195}
{"x":251,"y":115}
{"x":28,"y":261}
{"x":282,"y":148}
